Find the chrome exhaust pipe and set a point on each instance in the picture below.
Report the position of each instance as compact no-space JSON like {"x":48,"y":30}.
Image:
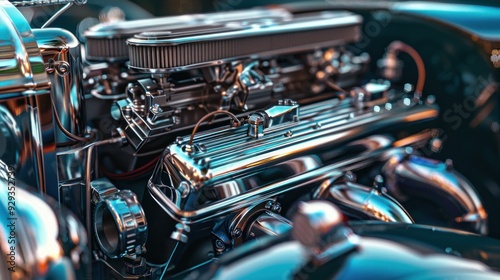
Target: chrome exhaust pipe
{"x":361,"y":202}
{"x":414,"y":176}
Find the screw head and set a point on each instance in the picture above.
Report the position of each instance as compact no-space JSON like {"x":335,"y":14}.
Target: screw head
{"x":237,"y":232}
{"x":219,"y":244}
{"x":276,"y":207}
{"x":268,"y":205}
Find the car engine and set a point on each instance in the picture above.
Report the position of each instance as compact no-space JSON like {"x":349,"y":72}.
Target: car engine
{"x":302,"y":140}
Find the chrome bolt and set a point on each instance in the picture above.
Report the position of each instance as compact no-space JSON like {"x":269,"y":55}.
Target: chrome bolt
{"x":408,"y":87}
{"x":184,"y":189}
{"x":156,"y":108}
{"x":269,"y":204}
{"x":63,"y":68}
{"x":188,"y":148}
{"x":276,"y":207}
{"x":289,"y":102}
{"x":202,"y":147}
{"x":317,"y":125}
{"x":237,"y":233}
{"x":219,"y":244}
{"x":436,"y":144}
{"x":378,"y":184}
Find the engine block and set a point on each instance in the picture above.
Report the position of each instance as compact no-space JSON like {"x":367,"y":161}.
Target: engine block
{"x":196,"y":146}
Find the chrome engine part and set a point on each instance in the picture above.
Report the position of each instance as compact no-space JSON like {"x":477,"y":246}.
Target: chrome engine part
{"x":38,"y":239}
{"x":188,"y":146}
{"x":280,"y":156}
{"x":320,"y":238}
{"x":220,"y":62}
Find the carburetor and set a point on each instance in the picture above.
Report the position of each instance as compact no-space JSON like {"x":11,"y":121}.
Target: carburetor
{"x":196,"y":64}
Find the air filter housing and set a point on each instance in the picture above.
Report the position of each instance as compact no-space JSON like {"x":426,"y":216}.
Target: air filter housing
{"x":180,"y":49}
{"x":107,"y":41}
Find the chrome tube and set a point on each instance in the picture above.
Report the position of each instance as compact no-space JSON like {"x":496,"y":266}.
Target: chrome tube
{"x":269,"y":224}
{"x":22,"y":70}
{"x":25,"y":128}
{"x":413,"y":176}
{"x":361,"y":202}
{"x":60,"y":51}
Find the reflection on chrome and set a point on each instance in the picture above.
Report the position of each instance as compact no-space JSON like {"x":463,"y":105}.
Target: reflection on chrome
{"x":37,"y":240}
{"x":303,"y":141}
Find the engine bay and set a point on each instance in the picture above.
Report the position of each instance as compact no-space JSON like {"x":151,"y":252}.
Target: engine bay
{"x":283,"y":141}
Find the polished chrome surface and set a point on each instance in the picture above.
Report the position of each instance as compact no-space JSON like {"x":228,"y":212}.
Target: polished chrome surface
{"x":239,"y":86}
{"x":305,"y":178}
{"x":22,"y":71}
{"x":255,"y":221}
{"x":60,"y":51}
{"x":44,"y":242}
{"x":319,"y":226}
{"x":338,"y":122}
{"x":130,"y":28}
{"x":24,"y":93}
{"x":285,"y":111}
{"x":270,"y":224}
{"x":363,"y":202}
{"x":410,"y":176}
{"x":220,"y":162}
{"x":224,"y":43}
{"x":23,"y":3}
{"x":371,"y":94}
{"x":107,"y":41}
{"x":377,"y":256}
{"x":120,"y":223}
{"x":26,"y":139}
{"x":305,"y":121}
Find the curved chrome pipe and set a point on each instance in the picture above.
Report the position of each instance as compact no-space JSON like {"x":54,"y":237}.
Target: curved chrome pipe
{"x":22,"y":71}
{"x":37,"y":242}
{"x":436,"y":181}
{"x":60,"y":51}
{"x":25,"y":129}
{"x":361,"y":202}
